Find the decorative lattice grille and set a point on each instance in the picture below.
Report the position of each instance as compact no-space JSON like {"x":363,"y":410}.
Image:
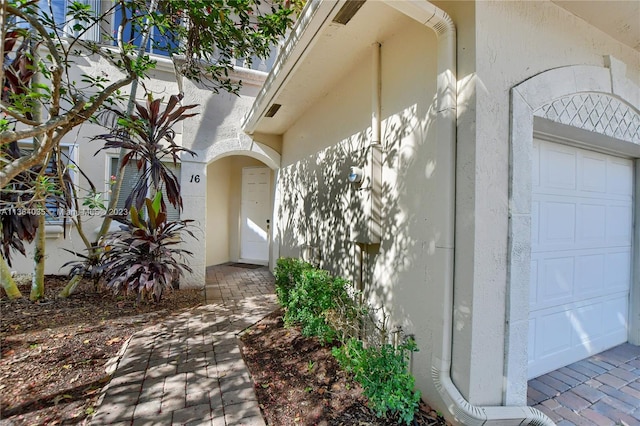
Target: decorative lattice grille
{"x":595,"y":112}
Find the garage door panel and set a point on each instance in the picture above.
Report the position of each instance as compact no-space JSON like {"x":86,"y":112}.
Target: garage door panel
{"x":551,"y":344}
{"x":590,"y":275}
{"x":592,"y":223}
{"x":618,"y":225}
{"x":616,"y":320}
{"x":594,"y":173}
{"x":618,"y":270}
{"x":562,"y":276}
{"x":558,"y":167}
{"x":564,"y":334}
{"x":556,"y":285}
{"x":580,"y":254}
{"x":620,"y":177}
{"x":533,"y":288}
{"x":587,"y":323}
{"x":558,"y":222}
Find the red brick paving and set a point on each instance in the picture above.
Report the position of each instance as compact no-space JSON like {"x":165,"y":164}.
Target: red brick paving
{"x":603,"y":390}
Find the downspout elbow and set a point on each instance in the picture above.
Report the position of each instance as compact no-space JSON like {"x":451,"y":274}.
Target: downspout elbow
{"x":460,"y":409}
{"x":472,"y":415}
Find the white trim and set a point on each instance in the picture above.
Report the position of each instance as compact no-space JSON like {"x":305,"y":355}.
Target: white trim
{"x":527,"y":98}
{"x":242,"y":145}
{"x":312,"y":17}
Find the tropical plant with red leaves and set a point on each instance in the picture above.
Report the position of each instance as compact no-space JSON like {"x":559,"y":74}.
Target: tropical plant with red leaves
{"x":145,"y":257}
{"x":149,"y":138}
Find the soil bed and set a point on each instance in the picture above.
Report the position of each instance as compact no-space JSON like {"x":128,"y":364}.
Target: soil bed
{"x":299,"y":382}
{"x":53,"y":353}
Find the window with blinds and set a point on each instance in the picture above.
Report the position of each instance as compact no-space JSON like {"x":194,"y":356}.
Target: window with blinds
{"x":71,"y":28}
{"x":132,"y":176}
{"x":158,"y":43}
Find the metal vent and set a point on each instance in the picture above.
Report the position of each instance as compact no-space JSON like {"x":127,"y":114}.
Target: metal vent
{"x":273,"y":109}
{"x":347,"y":11}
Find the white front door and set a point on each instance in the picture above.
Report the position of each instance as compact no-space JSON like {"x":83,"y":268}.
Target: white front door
{"x":255,"y":214}
{"x":581,"y":230}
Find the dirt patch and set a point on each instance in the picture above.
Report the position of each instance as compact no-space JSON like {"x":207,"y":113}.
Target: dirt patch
{"x":299,"y":382}
{"x":53,"y":356}
{"x":53,"y":353}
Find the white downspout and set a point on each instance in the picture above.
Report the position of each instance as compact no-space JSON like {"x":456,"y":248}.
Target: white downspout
{"x":446,"y":122}
{"x":374,"y":149}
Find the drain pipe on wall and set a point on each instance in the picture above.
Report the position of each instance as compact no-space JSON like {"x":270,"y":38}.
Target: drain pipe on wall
{"x":461,"y":410}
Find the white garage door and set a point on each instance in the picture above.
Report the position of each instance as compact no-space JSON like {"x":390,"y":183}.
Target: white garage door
{"x":581,"y":227}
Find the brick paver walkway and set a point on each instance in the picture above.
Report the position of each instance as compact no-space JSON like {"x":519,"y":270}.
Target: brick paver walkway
{"x":188,"y":370}
{"x":601,"y":390}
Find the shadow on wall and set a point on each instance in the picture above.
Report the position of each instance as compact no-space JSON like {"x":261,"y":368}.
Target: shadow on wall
{"x":318,"y":206}
{"x":220,"y":114}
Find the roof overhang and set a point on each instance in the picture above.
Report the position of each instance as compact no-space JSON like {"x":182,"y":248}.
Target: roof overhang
{"x":319,"y":51}
{"x":316,"y":55}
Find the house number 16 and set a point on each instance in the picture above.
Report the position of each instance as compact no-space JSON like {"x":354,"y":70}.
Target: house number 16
{"x":195,"y":178}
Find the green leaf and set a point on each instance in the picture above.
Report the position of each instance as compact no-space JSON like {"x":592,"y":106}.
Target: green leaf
{"x":133,"y":214}
{"x":157,"y":202}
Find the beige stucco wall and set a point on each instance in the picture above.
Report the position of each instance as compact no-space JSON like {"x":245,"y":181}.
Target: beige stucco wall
{"x":214,"y":135}
{"x":317,"y":205}
{"x":499,"y":45}
{"x":514,"y":41}
{"x":217,"y":230}
{"x":224,"y":197}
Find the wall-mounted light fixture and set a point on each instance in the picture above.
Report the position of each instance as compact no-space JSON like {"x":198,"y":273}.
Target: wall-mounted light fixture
{"x":355,"y":174}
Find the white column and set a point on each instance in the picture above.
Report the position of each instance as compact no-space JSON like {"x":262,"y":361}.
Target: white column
{"x":193,"y":184}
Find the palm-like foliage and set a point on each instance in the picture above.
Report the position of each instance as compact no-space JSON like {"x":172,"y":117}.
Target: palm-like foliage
{"x":144,"y":256}
{"x":29,"y":188}
{"x":149,"y":138}
{"x":88,"y":266}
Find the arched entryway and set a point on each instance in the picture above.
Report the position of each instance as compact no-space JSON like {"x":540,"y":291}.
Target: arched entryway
{"x":213,"y":198}
{"x":567,"y":124}
{"x":239,"y":210}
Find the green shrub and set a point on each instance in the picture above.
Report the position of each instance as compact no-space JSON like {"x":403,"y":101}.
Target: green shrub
{"x":384,"y":375}
{"x":321,"y":305}
{"x":311,"y":299}
{"x":288,"y":272}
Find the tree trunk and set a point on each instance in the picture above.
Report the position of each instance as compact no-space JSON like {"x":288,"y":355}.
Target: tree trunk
{"x":37,"y":283}
{"x":117,"y":186}
{"x":70,"y":287}
{"x":8,"y":283}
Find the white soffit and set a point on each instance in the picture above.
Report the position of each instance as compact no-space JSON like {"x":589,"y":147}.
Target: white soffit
{"x":618,"y":18}
{"x":333,"y":52}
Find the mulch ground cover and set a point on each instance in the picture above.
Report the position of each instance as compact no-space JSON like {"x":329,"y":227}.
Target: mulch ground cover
{"x":53,"y":355}
{"x":299,"y":382}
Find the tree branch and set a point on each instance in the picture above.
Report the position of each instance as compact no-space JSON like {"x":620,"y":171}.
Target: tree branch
{"x":33,"y":21}
{"x":6,"y":109}
{"x":18,"y":165}
{"x":12,"y":135}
